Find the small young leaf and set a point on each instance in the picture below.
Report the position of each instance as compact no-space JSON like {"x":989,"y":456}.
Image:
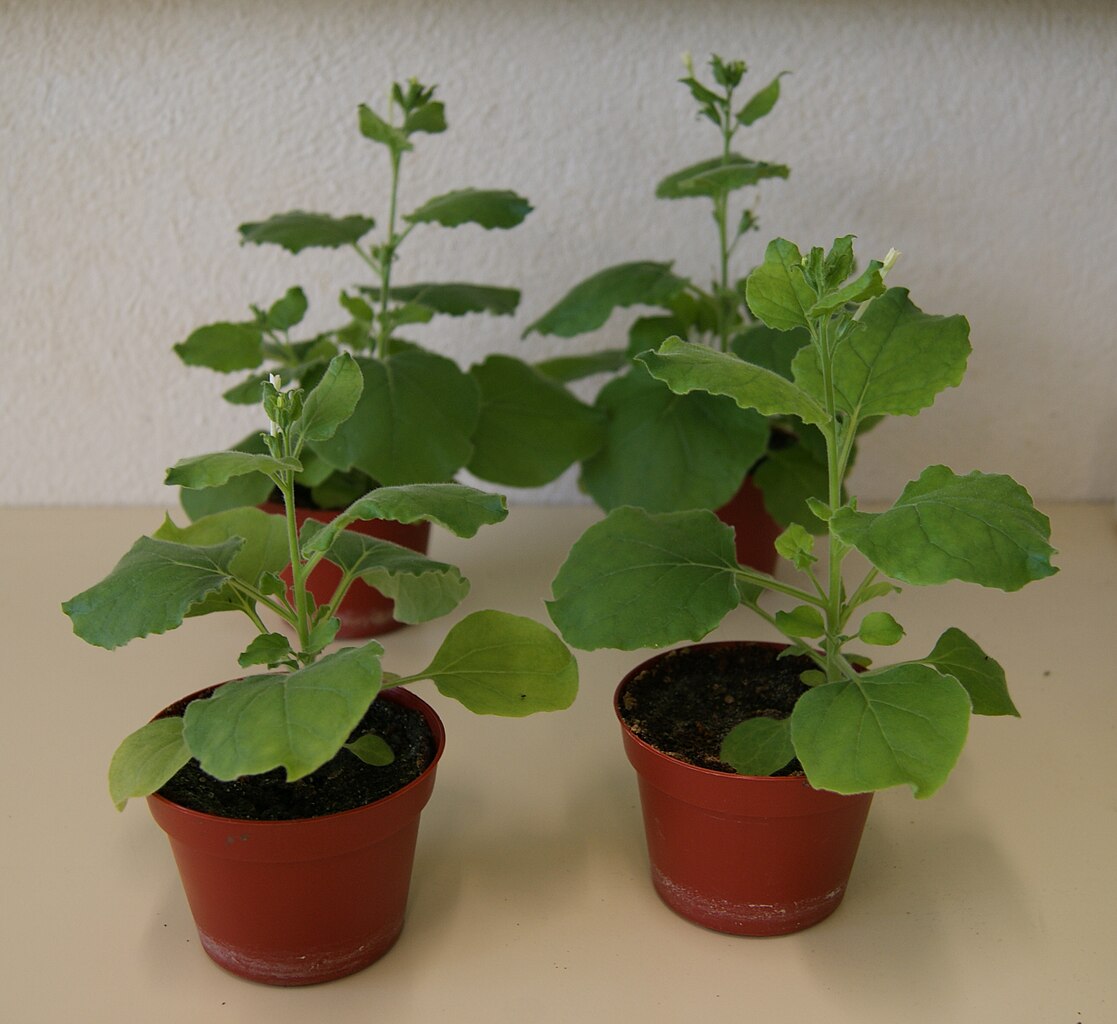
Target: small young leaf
{"x":374,"y":127}
{"x":880,"y":629}
{"x":797,"y":546}
{"x":269,"y":649}
{"x":224,"y":347}
{"x":322,"y":635}
{"x":957,"y":655}
{"x":803,"y":621}
{"x":869,"y":285}
{"x":146,"y":760}
{"x":761,"y":104}
{"x":488,"y":208}
{"x":500,"y":664}
{"x":776,"y":291}
{"x":298,"y":230}
{"x":372,"y":749}
{"x":430,"y":118}
{"x":288,"y":311}
{"x":758,"y":746}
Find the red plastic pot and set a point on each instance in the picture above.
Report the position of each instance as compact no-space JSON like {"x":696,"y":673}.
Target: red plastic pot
{"x":743,"y":854}
{"x":364,"y":612}
{"x":304,"y":901}
{"x":756,"y":531}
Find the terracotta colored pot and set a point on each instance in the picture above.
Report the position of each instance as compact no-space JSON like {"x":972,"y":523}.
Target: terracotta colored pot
{"x":365,"y":611}
{"x":756,"y":531}
{"x":742,"y":854}
{"x":304,"y":901}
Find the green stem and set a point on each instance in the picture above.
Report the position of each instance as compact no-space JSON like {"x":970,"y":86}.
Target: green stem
{"x":388,"y":259}
{"x":763,"y":580}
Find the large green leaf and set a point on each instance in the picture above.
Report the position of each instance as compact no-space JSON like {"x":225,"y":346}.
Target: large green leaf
{"x":422,"y":588}
{"x":146,"y":760}
{"x":957,"y":655}
{"x":460,"y":509}
{"x":248,"y":489}
{"x":776,"y":291}
{"x":531,"y":428}
{"x":666,"y":452}
{"x":774,"y":350}
{"x":223,"y":346}
{"x":500,"y":664}
{"x":641,"y":580}
{"x":487,"y":207}
{"x":903,"y":725}
{"x":895,"y":362}
{"x":717,"y":176}
{"x":981,"y":528}
{"x":590,"y":303}
{"x":218,"y":468}
{"x":686,"y":367}
{"x":571,"y":368}
{"x":414,"y":421}
{"x":456,"y":298}
{"x":150,"y":590}
{"x":265,"y":539}
{"x":788,"y":477}
{"x":332,"y":400}
{"x":298,"y":230}
{"x":296,"y":720}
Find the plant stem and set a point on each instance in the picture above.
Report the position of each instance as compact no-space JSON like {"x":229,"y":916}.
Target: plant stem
{"x":388,"y":258}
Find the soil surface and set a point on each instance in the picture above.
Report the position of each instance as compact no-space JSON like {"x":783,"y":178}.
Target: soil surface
{"x":686,"y":703}
{"x":341,"y":784}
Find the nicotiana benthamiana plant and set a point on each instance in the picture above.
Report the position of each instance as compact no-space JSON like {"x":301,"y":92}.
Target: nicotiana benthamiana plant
{"x":666,"y":452}
{"x":647,"y":580}
{"x":420,"y":416}
{"x":299,"y":715}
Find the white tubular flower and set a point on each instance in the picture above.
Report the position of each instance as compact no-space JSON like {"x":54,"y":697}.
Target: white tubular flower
{"x":275,"y":381}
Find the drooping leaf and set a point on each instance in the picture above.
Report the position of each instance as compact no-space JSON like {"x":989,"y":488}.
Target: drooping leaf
{"x":295,"y":720}
{"x":531,"y":428}
{"x":776,"y":291}
{"x":298,"y":230}
{"x":414,"y":421}
{"x":758,"y":746}
{"x":895,"y":362}
{"x":223,"y":346}
{"x":685,"y":367}
{"x":589,"y":304}
{"x":500,"y":664}
{"x":957,"y":655}
{"x":218,"y":468}
{"x":981,"y":528}
{"x":717,"y":176}
{"x":571,"y":368}
{"x":665,"y":452}
{"x":146,"y":760}
{"x":458,"y":298}
{"x":150,"y":590}
{"x":490,"y":208}
{"x":646,"y":580}
{"x":333,"y":399}
{"x":903,"y":725}
{"x":430,"y":118}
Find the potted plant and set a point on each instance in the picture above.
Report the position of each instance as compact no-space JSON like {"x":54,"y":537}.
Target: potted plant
{"x":420,"y":417}
{"x":291,"y":796}
{"x":797,"y":738}
{"x":665,"y":452}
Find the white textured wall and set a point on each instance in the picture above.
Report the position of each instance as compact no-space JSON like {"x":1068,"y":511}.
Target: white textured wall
{"x":978,"y":137}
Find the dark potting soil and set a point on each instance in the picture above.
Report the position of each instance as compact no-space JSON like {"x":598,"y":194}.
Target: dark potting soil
{"x":686,"y":703}
{"x":341,"y":784}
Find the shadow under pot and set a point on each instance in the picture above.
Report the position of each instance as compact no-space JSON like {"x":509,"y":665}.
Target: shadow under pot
{"x":742,"y":854}
{"x":311,"y":899}
{"x":364,"y":611}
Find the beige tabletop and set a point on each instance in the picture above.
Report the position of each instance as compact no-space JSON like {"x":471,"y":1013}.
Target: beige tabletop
{"x":992,"y":902}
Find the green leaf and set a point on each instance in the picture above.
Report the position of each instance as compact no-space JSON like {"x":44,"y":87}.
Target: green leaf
{"x":803,"y":621}
{"x":288,"y":311}
{"x":869,"y":285}
{"x":761,"y":103}
{"x":797,"y":546}
{"x":430,"y":118}
{"x":322,"y":635}
{"x":298,"y":230}
{"x":150,"y":590}
{"x":571,"y":368}
{"x":903,"y":725}
{"x":685,"y":367}
{"x":264,"y":550}
{"x":458,"y":298}
{"x":295,"y":720}
{"x":758,"y":746}
{"x":881,"y":629}
{"x":531,"y":428}
{"x":957,"y":655}
{"x":223,"y":346}
{"x":333,"y":399}
{"x":487,"y":207}
{"x":217,"y":468}
{"x":589,"y":304}
{"x":269,"y":649}
{"x":776,"y":291}
{"x":371,"y":749}
{"x":374,"y":127}
{"x":666,"y":452}
{"x":146,"y":760}
{"x":649,"y":332}
{"x":981,"y":528}
{"x":641,"y":580}
{"x":249,"y":489}
{"x":500,"y":664}
{"x":717,"y":176}
{"x":414,"y":421}
{"x":774,"y":350}
{"x":895,"y":362}
{"x":422,"y":588}
{"x":790,"y":478}
{"x":460,"y":509}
